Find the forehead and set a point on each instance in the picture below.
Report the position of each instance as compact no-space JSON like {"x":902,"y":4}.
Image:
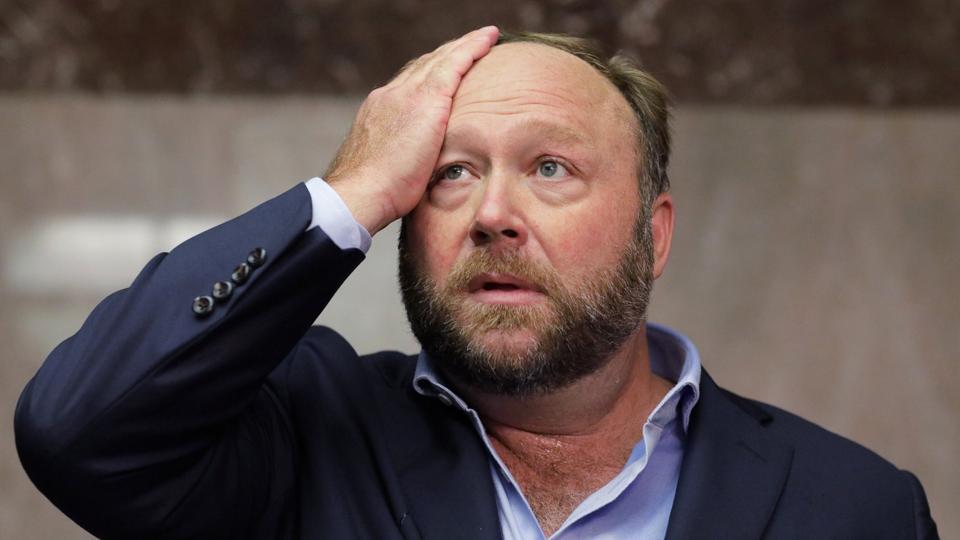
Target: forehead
{"x":531,"y":79}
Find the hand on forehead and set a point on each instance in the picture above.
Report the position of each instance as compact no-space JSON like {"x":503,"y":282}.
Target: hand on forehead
{"x":532,"y":73}
{"x":521,"y":93}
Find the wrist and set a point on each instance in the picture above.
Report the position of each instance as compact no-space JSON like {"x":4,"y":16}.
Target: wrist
{"x":367,"y":209}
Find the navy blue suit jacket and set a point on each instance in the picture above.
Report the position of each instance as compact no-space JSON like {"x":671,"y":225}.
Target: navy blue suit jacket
{"x":153,"y":423}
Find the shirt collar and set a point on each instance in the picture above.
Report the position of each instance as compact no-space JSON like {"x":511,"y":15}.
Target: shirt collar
{"x":675,"y":358}
{"x":672,"y":356}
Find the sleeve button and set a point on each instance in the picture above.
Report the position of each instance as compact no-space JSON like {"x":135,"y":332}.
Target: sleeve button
{"x":257,"y":257}
{"x":202,"y":306}
{"x":222,"y":290}
{"x":241,"y":274}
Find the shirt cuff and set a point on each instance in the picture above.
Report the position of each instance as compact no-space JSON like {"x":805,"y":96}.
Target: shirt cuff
{"x":333,"y":217}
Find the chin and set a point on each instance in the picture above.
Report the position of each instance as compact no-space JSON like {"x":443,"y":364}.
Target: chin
{"x":507,"y":346}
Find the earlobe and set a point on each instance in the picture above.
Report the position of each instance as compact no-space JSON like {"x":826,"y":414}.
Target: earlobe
{"x":661,"y":225}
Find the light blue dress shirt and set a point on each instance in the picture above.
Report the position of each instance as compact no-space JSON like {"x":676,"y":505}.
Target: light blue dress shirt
{"x":636,"y":503}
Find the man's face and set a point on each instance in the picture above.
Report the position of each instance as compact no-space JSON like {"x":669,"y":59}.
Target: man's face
{"x":527,"y":263}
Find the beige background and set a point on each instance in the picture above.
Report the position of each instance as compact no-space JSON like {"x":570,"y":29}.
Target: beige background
{"x":814,"y":261}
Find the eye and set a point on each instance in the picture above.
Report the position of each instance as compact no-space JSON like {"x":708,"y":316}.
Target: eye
{"x":550,"y":168}
{"x":452,"y":172}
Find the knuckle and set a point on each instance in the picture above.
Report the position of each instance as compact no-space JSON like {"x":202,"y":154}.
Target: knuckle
{"x":437,"y":83}
{"x":376,"y":96}
{"x":461,"y":56}
{"x":412,"y":64}
{"x":448,"y":45}
{"x":424,"y":59}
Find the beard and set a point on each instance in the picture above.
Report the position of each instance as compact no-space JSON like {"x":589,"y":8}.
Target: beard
{"x":573,"y":333}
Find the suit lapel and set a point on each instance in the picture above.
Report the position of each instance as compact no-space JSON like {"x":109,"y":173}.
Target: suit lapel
{"x":730,"y":480}
{"x":732,"y":472}
{"x":442,"y":468}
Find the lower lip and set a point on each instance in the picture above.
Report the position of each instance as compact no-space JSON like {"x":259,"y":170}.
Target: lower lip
{"x":504,"y":296}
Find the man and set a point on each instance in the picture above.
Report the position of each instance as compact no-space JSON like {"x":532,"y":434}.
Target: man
{"x":531,"y":179}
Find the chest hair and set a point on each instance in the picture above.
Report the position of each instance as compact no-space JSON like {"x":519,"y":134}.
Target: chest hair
{"x":555,"y":479}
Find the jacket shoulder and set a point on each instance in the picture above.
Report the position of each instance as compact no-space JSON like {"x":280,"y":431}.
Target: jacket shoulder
{"x":812,"y":440}
{"x":840,"y":477}
{"x":323,"y":355}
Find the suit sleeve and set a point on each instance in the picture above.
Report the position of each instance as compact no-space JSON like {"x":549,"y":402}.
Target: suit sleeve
{"x":154,"y":422}
{"x":926,"y":529}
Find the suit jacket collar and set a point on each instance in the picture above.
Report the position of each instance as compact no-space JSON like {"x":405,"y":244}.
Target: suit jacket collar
{"x":732,"y":472}
{"x":442,"y":467}
{"x":730,"y":481}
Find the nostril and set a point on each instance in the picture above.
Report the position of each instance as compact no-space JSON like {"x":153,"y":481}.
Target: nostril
{"x":510,"y":233}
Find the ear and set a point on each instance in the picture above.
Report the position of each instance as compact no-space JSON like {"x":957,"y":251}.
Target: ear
{"x":661,"y":226}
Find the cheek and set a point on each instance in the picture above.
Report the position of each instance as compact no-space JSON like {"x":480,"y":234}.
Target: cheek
{"x":581,"y":248}
{"x":593,"y":238}
{"x":435,"y":239}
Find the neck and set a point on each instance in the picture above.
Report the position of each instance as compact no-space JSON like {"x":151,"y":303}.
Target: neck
{"x":613,"y":401}
{"x":562,"y":446}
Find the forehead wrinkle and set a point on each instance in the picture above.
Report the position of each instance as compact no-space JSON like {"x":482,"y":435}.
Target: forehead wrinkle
{"x":519,"y":81}
{"x":523,"y":92}
{"x":542,"y":129}
{"x":600,"y":105}
{"x":534,"y":68}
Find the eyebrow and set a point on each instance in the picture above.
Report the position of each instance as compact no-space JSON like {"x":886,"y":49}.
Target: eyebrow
{"x":553,"y":132}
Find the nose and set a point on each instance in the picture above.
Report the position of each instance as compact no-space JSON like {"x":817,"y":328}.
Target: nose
{"x":496,"y":220}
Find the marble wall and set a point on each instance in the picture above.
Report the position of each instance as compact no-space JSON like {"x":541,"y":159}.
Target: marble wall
{"x":855,"y":52}
{"x":814,"y":264}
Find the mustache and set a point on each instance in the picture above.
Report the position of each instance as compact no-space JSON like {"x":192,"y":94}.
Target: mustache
{"x":506,"y":262}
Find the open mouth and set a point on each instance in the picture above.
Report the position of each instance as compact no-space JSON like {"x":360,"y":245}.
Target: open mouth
{"x":490,"y":281}
{"x":503,"y":289}
{"x":493,"y":286}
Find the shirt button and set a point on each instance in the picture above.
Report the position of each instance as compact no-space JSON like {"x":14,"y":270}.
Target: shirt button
{"x":202,"y":306}
{"x":222,"y":290}
{"x":240,"y":274}
{"x":257,"y":257}
{"x":445,"y":399}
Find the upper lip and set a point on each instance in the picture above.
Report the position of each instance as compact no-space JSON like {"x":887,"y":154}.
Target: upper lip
{"x":480,"y":280}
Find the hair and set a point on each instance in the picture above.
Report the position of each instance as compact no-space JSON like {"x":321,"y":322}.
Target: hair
{"x":647,"y":98}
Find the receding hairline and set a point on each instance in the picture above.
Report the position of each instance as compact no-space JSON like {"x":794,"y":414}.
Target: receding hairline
{"x":622,"y":110}
{"x":647,"y":99}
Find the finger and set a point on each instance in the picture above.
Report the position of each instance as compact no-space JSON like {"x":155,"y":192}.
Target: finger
{"x":411,"y":67}
{"x":443,"y":73}
{"x":480,"y":34}
{"x":460,"y":52}
{"x":420,"y":67}
{"x":476,"y":43}
{"x":487,"y":33}
{"x":404,"y":74}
